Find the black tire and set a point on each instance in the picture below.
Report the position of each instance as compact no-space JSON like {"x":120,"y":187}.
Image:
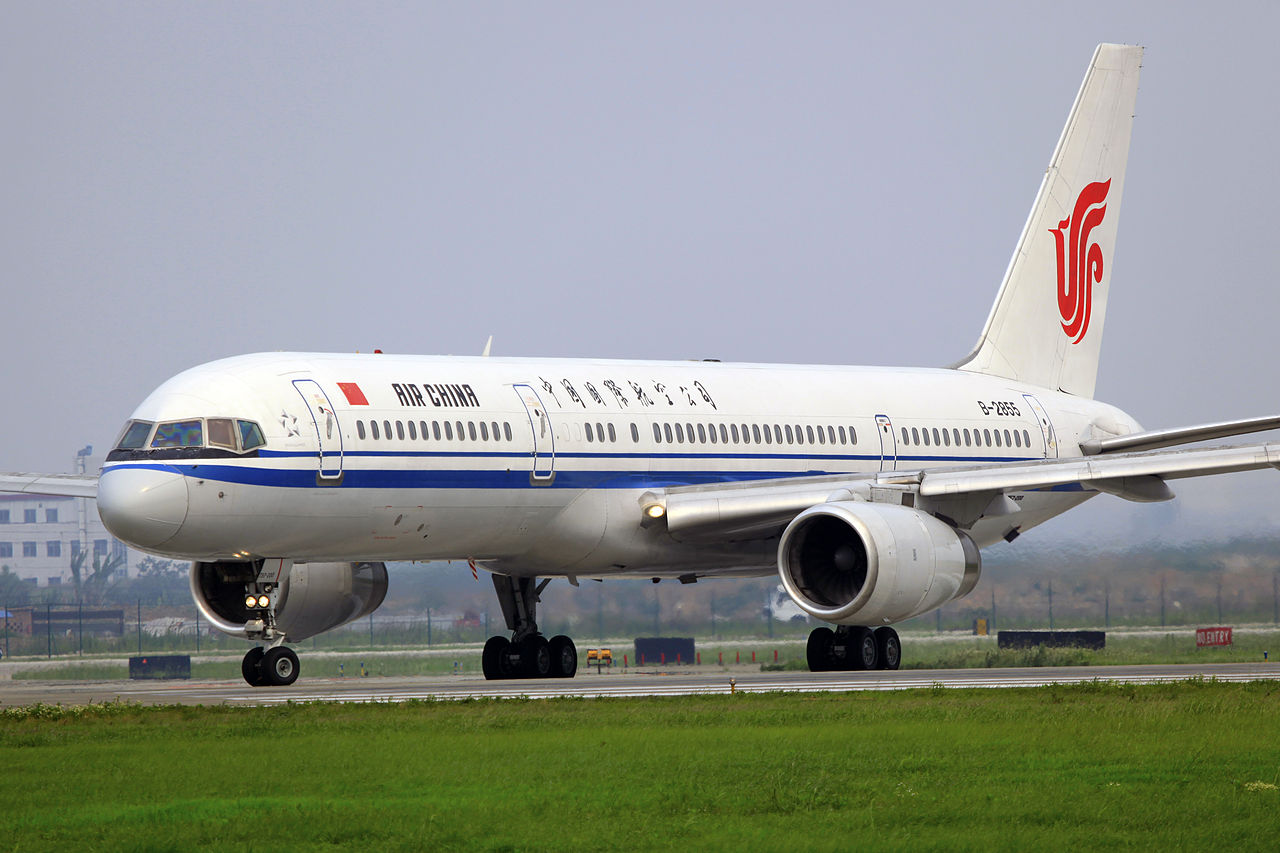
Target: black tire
{"x":535,"y":657}
{"x":493,"y":660}
{"x":251,"y":667}
{"x":564,"y":657}
{"x":818,"y":649}
{"x":890,"y":648}
{"x":863,"y":653}
{"x":280,"y":666}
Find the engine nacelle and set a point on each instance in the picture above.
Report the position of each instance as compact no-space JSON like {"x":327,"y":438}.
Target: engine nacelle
{"x":313,"y":597}
{"x":856,"y":563}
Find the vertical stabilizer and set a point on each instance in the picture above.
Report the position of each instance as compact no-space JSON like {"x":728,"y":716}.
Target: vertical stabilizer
{"x":1046,"y":325}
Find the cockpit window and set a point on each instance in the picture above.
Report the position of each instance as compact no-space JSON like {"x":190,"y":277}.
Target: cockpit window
{"x":179,"y":434}
{"x":221,"y":433}
{"x":134,"y":435}
{"x":250,"y":435}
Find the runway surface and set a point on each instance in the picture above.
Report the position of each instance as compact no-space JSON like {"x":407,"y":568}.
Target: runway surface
{"x":675,"y":682}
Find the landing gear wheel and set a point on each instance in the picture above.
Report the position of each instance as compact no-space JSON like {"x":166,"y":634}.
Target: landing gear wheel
{"x":251,"y":667}
{"x":889,"y":647}
{"x":818,"y":652}
{"x":280,"y":666}
{"x":495,"y":660}
{"x":564,"y":657}
{"x":863,"y":651}
{"x":535,"y":657}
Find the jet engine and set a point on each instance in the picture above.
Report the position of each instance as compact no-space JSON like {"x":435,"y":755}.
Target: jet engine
{"x":313,"y":597}
{"x":856,"y":563}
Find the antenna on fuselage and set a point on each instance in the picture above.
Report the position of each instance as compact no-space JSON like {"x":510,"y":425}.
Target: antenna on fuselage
{"x":487,"y":346}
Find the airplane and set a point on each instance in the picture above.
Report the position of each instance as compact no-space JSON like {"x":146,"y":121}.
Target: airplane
{"x":289,"y":479}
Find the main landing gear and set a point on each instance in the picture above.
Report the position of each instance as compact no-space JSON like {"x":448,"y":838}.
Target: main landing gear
{"x":273,"y":667}
{"x":527,"y":654}
{"x":851,"y":647}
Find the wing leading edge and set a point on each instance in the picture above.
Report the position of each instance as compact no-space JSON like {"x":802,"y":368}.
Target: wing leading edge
{"x":71,"y":485}
{"x":758,"y":507}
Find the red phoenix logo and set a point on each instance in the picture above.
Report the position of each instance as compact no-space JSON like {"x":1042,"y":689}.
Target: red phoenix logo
{"x":1080,"y":261}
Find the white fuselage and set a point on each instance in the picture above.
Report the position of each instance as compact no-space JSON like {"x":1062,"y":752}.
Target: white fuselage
{"x":540,"y":466}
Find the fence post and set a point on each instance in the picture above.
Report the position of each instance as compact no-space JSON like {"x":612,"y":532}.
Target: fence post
{"x":139,"y":627}
{"x":48,"y":625}
{"x":80,"y":626}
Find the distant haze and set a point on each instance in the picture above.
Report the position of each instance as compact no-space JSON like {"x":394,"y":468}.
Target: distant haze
{"x":818,"y":182}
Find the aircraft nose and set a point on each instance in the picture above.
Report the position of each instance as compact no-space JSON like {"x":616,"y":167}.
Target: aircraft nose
{"x":142,"y":506}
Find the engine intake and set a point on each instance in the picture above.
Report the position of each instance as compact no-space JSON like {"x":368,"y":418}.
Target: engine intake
{"x":313,"y":597}
{"x":856,"y":563}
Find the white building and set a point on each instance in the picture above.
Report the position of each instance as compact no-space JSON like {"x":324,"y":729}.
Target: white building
{"x":41,"y":534}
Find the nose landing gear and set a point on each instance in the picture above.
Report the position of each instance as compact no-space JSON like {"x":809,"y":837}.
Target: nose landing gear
{"x":274,"y":667}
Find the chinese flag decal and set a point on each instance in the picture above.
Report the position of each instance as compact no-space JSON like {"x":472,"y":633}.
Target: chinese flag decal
{"x":354,"y":395}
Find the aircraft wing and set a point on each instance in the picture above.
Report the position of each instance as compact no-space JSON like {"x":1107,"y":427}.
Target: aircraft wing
{"x":750,"y":508}
{"x":71,"y":485}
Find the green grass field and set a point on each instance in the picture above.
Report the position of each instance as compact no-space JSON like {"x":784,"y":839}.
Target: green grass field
{"x":1163,"y":767}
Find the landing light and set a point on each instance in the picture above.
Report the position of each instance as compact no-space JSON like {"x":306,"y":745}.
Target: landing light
{"x":264,"y":600}
{"x":655,"y":511}
{"x":250,"y":601}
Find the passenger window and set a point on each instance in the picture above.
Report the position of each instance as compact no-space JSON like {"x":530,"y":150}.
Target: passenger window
{"x":689,"y":430}
{"x":808,"y":432}
{"x":946,"y":437}
{"x":386,"y":429}
{"x":905,"y":440}
{"x":373,"y":425}
{"x":822,"y":438}
{"x":400,"y":430}
{"x":680,"y":433}
{"x":831,"y":434}
{"x":998,"y":444}
{"x":1026,"y":438}
{"x":134,"y":435}
{"x":435,"y":429}
{"x":955,"y":435}
{"x":711,"y":433}
{"x":484,"y":431}
{"x":587,"y":430}
{"x":448,"y":431}
{"x":799,"y":434}
{"x":853,"y":435}
{"x":986,"y":437}
{"x":426,"y":432}
{"x":1017,"y":439}
{"x":768,"y":437}
{"x":915,"y":436}
{"x":937,"y":442}
{"x":462,"y":433}
{"x":506,"y":430}
{"x":657,"y":434}
{"x":924,"y":433}
{"x":600,"y":430}
{"x":791,"y":439}
{"x":613,"y":436}
{"x":1007,"y":442}
{"x":755,"y":432}
{"x":635,"y":433}
{"x":702,"y":434}
{"x":221,"y":433}
{"x":724,"y":435}
{"x":966,"y":438}
{"x":666,"y":430}
{"x":360,"y":429}
{"x":746,"y":434}
{"x":471,"y":430}
{"x":413,"y":430}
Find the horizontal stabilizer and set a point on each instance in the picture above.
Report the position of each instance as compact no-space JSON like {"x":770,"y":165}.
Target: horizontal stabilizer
{"x":1155,"y":439}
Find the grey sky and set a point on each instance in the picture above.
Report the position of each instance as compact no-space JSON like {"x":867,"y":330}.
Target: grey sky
{"x":766,"y":182}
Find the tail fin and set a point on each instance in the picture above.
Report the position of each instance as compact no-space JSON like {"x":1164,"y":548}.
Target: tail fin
{"x":1046,"y":325}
